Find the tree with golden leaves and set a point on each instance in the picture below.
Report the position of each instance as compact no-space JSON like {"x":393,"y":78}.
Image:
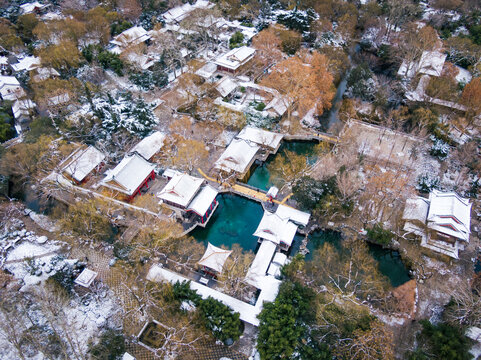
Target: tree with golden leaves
{"x":287,"y":168}
{"x":8,"y":38}
{"x":190,"y":154}
{"x":268,"y":45}
{"x":235,"y":270}
{"x":63,"y":56}
{"x":471,"y":96}
{"x":304,"y":83}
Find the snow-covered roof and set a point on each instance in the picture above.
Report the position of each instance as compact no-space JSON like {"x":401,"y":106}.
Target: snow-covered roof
{"x":276,"y":264}
{"x":6,"y":81}
{"x":431,"y":63}
{"x":181,"y":189}
{"x":214,"y":258}
{"x":83,"y":162}
{"x":237,"y":156}
{"x":226,"y":86}
{"x":27,"y":63}
{"x":273,"y":191}
{"x":10,"y":88}
{"x":277,"y":104}
{"x":259,"y":266}
{"x":45,"y":73}
{"x":416,"y":209}
{"x":31,"y":7}
{"x":127,"y":356}
{"x":134,"y":35}
{"x":22,"y":107}
{"x":129,"y":174}
{"x":207,"y":71}
{"x":179,"y":13}
{"x":235,"y":58}
{"x":449,"y":213}
{"x":294,"y":215}
{"x":150,"y":145}
{"x":86,"y":278}
{"x":260,"y":137}
{"x":141,"y":60}
{"x":275,"y":229}
{"x":170,"y":173}
{"x":59,"y":99}
{"x":202,"y":201}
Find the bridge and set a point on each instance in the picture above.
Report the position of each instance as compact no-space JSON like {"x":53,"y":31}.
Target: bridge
{"x":248,"y":192}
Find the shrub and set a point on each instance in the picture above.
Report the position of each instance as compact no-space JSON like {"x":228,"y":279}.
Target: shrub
{"x":377,"y":234}
{"x":260,"y":106}
{"x":427,"y":182}
{"x":361,"y":83}
{"x":147,"y":80}
{"x":440,"y":149}
{"x":111,"y":346}
{"x":220,"y":319}
{"x":111,"y":61}
{"x":119,"y":27}
{"x":183,"y":292}
{"x":236,"y":40}
{"x":446,"y":341}
{"x":64,"y":278}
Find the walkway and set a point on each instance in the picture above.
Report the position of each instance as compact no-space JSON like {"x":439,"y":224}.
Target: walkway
{"x":317,"y":136}
{"x":248,"y":192}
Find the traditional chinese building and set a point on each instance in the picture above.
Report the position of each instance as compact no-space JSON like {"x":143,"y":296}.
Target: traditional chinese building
{"x":442,"y":221}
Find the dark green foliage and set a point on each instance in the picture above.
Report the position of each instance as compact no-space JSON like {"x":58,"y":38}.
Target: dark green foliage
{"x":220,"y":319}
{"x":417,"y":355}
{"x":308,"y":192}
{"x":261,"y":106}
{"x":236,"y":40}
{"x":427,"y":182}
{"x":147,"y":79}
{"x":297,"y":20}
{"x":111,"y":346}
{"x":183,"y":292}
{"x":111,"y":61}
{"x":283,"y":329}
{"x":64,"y":278}
{"x":38,"y":127}
{"x":119,"y":26}
{"x":475,"y":32}
{"x":7,"y":130}
{"x":445,"y":341}
{"x":360,"y":82}
{"x":91,"y":51}
{"x":378,"y":235}
{"x":217,"y":317}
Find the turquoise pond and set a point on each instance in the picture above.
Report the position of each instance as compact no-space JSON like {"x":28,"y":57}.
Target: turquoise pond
{"x":236,"y":219}
{"x":389,"y":261}
{"x":260,"y":177}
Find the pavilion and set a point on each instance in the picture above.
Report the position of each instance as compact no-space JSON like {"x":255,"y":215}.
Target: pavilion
{"x":214,"y":259}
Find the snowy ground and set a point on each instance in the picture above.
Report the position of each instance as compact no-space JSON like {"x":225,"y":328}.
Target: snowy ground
{"x":32,"y":259}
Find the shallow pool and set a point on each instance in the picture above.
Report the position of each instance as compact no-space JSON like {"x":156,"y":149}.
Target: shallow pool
{"x":234,"y":221}
{"x":260,"y":177}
